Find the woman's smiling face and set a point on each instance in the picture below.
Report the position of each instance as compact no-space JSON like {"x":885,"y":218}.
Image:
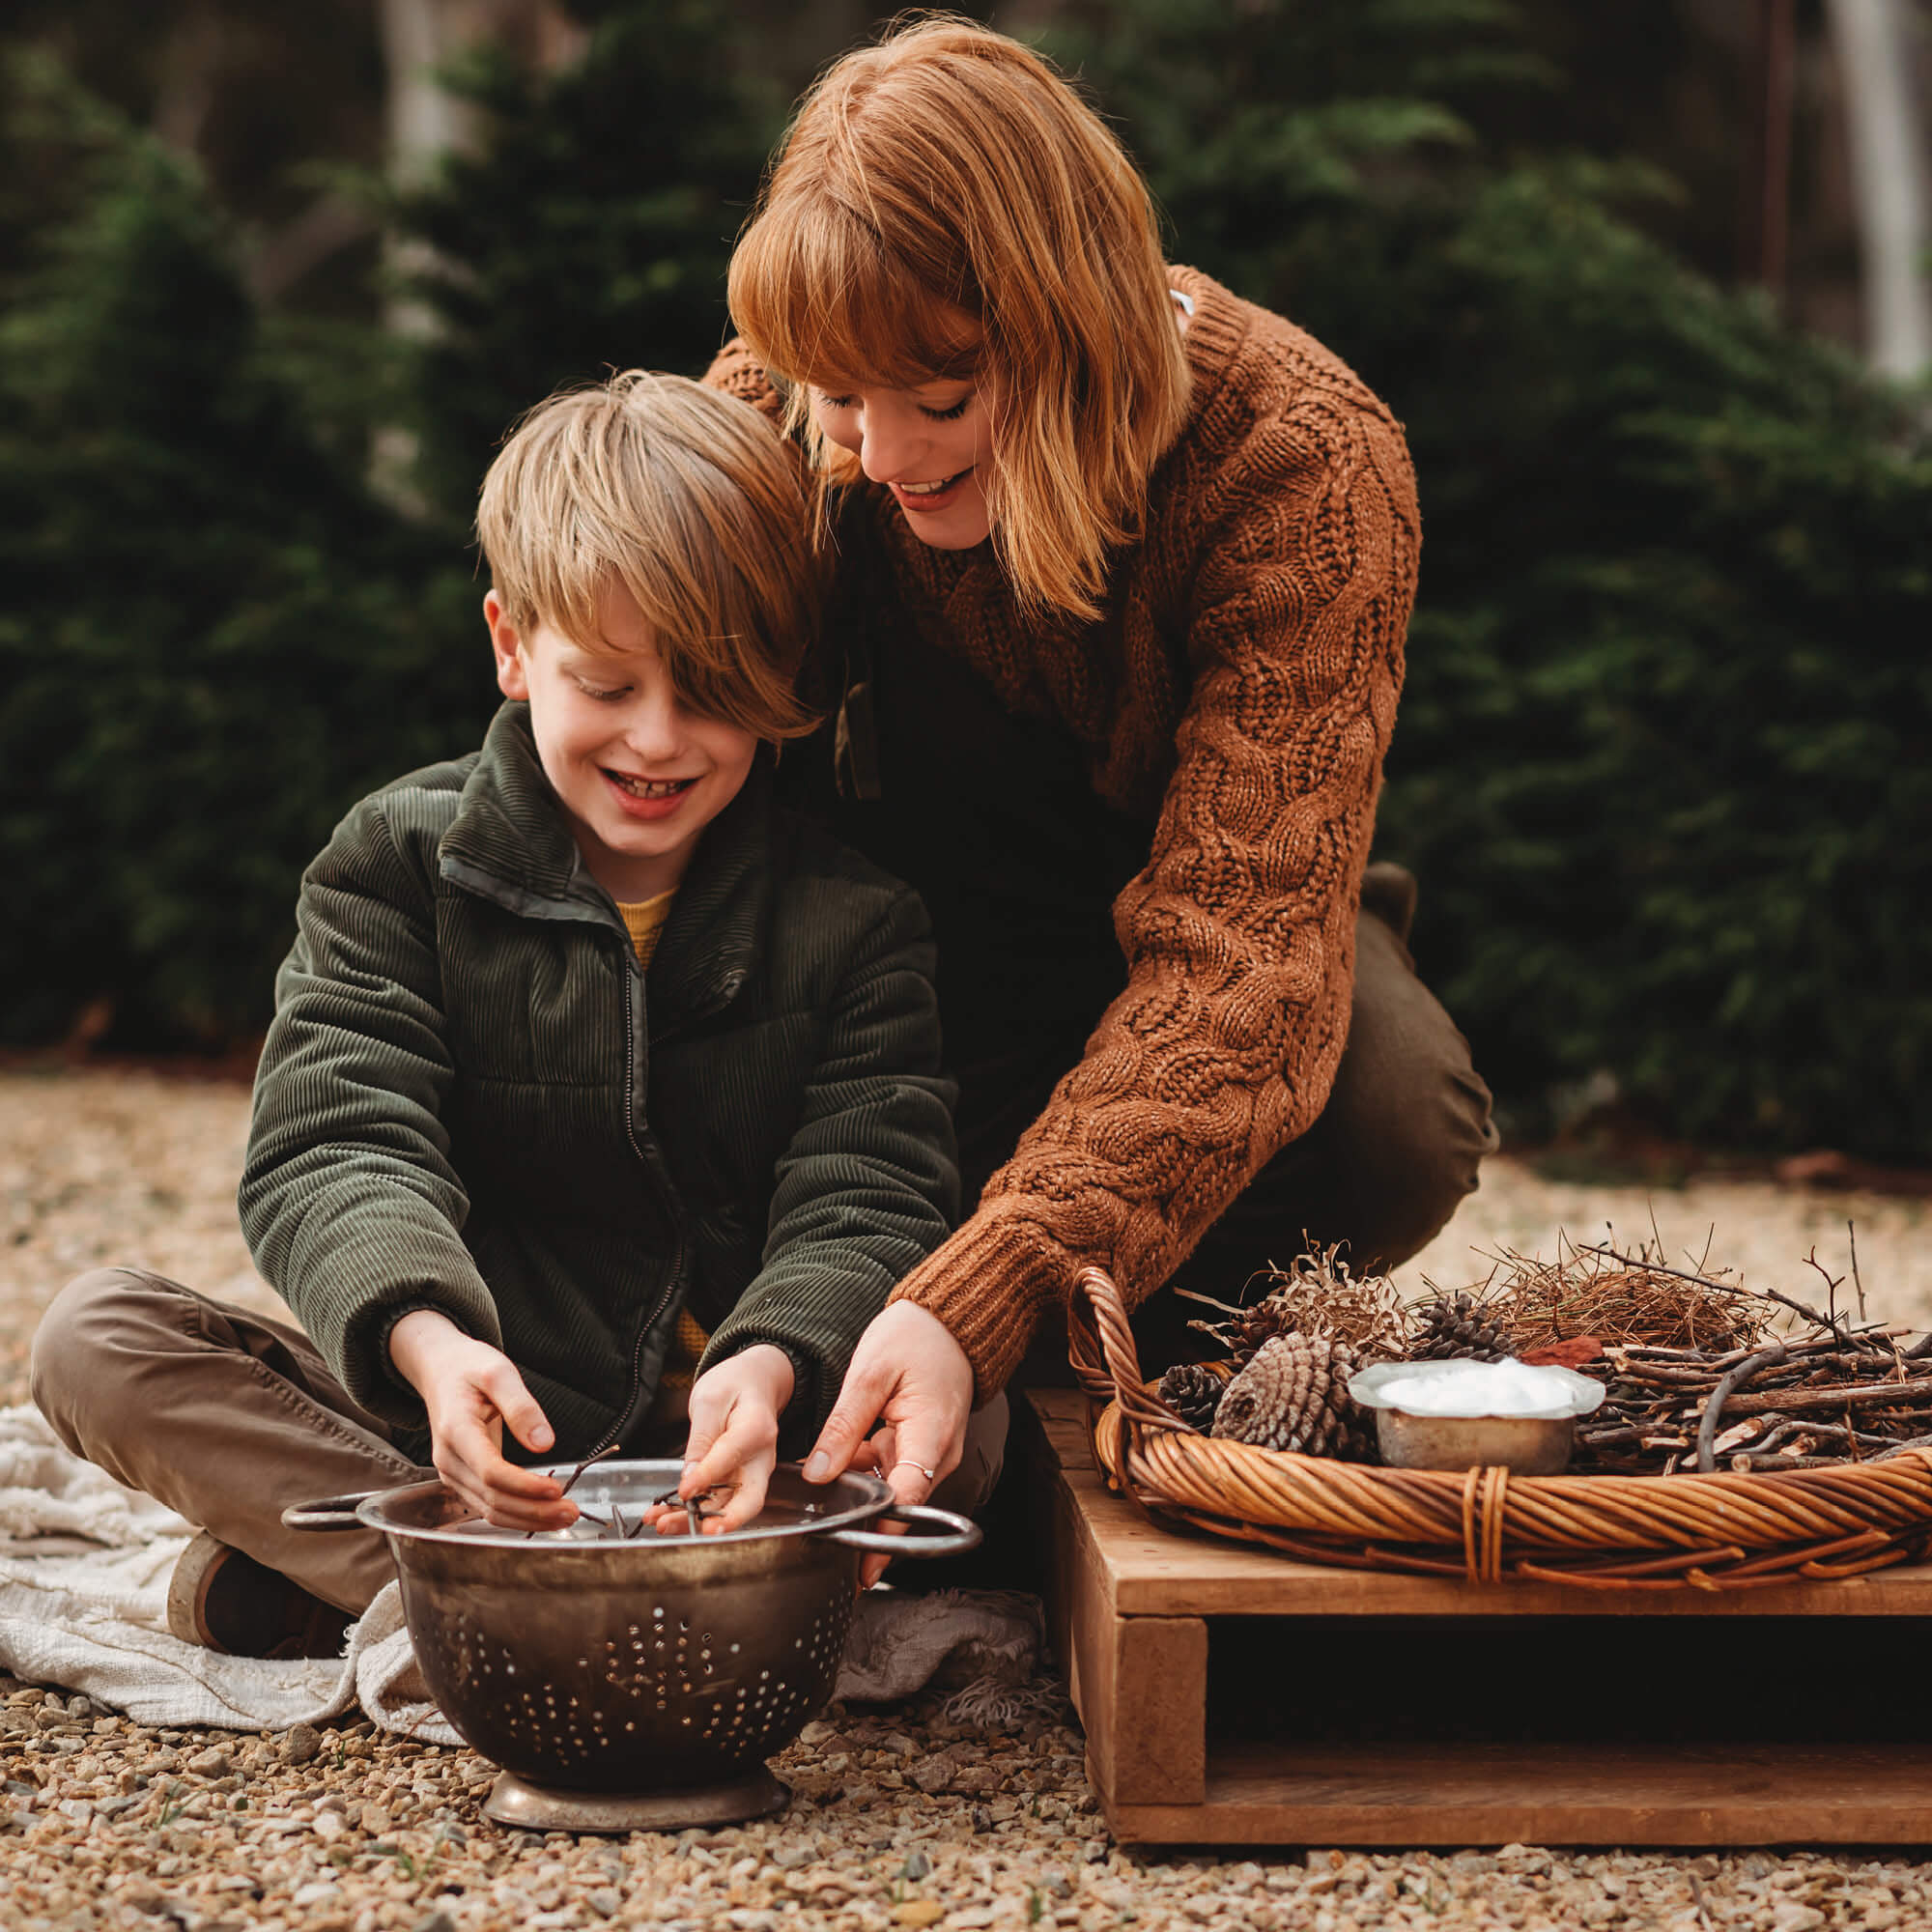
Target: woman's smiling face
{"x":932,"y":446}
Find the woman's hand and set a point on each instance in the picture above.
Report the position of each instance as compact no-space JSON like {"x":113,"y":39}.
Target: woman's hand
{"x":734,"y":1435}
{"x":909,"y":1374}
{"x":473,"y":1391}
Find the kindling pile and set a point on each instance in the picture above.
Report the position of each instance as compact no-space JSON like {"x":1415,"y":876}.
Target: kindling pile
{"x":1700,"y":1371}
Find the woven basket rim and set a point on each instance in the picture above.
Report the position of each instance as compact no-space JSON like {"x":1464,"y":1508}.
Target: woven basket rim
{"x":1556,"y":1485}
{"x":1714,"y":1529}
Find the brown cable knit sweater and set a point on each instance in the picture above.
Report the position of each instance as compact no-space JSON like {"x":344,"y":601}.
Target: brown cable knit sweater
{"x":1242,"y":684}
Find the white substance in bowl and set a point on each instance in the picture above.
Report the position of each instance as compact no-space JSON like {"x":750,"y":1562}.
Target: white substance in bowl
{"x":1481,"y":1389}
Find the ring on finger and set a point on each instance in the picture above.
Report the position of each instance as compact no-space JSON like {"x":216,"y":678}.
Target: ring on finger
{"x":906,"y":1463}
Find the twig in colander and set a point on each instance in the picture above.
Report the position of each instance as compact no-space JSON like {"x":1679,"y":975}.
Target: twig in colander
{"x":595,"y":1455}
{"x":693,"y":1509}
{"x":570,"y":1483}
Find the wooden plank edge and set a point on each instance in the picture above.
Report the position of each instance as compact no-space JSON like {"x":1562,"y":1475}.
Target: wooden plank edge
{"x":1876,"y":1796}
{"x":1610,"y":1828}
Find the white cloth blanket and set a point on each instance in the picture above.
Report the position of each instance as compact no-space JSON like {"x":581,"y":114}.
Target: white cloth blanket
{"x":84,"y":1568}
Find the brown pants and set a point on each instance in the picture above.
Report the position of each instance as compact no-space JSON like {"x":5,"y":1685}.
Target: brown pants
{"x":228,"y":1418}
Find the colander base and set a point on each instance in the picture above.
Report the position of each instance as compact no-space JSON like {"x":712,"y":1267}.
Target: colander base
{"x":534,"y":1808}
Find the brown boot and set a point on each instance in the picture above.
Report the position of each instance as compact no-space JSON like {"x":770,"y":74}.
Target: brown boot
{"x":225,"y":1601}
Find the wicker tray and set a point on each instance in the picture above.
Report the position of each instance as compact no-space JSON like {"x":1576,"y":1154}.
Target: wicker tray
{"x":1709,"y":1532}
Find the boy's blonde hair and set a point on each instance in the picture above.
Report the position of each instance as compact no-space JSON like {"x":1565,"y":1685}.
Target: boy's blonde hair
{"x":689,"y":499}
{"x":944,"y":207}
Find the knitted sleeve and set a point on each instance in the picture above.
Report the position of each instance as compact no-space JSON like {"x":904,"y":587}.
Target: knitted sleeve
{"x":1239,"y":933}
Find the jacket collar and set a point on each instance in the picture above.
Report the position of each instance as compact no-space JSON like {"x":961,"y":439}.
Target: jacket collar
{"x":510,"y":843}
{"x":510,"y":840}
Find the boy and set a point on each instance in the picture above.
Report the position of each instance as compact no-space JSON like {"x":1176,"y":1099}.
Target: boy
{"x":586,"y":1060}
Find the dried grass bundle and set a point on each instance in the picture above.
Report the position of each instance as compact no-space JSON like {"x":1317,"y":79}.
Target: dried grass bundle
{"x":1632,"y":1300}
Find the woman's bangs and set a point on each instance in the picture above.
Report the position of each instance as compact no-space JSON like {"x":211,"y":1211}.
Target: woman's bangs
{"x":823,"y":301}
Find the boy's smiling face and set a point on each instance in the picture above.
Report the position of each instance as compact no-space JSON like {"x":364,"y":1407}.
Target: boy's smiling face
{"x":638,"y":775}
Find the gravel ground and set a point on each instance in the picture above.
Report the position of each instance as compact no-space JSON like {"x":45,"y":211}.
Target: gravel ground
{"x":899,"y":1818}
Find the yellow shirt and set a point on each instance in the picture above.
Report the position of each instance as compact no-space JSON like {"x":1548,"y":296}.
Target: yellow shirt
{"x":644,"y":922}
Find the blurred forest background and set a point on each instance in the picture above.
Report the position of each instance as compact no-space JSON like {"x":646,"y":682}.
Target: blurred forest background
{"x":270,"y":291}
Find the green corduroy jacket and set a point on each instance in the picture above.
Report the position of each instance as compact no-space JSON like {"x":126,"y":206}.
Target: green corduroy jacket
{"x":473,"y":1100}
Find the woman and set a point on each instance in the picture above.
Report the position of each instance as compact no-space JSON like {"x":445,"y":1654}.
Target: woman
{"x":1125,"y":565}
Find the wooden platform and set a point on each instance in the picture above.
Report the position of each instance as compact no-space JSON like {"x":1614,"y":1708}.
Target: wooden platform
{"x":1233,"y":1696}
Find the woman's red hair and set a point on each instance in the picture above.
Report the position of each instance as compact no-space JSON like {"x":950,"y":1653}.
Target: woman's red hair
{"x":945,"y":205}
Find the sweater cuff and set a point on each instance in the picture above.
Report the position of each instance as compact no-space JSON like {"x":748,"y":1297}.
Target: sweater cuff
{"x":992,"y":1284}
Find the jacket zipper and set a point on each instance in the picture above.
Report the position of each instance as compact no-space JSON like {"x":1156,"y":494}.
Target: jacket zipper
{"x":723,"y":994}
{"x":633,"y":1400}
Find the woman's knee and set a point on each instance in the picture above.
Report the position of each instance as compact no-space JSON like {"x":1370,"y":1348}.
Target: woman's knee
{"x":1423,"y":1146}
{"x":1405,"y":1080}
{"x":1422,"y":1185}
{"x":1400,"y":1144}
{"x":1414,"y":1155}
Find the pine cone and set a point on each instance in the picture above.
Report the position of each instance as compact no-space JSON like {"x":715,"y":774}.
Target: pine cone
{"x":1456,"y":1330}
{"x":1293,"y":1395}
{"x":1193,"y":1391}
{"x":1316,"y":1295}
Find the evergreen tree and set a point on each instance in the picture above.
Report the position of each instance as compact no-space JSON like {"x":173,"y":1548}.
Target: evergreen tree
{"x":591,"y":228}
{"x":214,"y":638}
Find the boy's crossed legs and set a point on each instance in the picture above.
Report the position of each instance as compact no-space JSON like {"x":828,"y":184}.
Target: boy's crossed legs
{"x":227,"y":1417}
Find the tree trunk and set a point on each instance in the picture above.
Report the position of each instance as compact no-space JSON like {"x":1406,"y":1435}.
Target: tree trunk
{"x":190,"y":77}
{"x":1766,"y":228}
{"x":425,"y":122}
{"x":1873,"y":42}
{"x":418,"y":37}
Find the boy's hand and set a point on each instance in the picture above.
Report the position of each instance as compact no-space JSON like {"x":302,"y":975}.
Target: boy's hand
{"x":471,"y":1391}
{"x":734,"y":1435}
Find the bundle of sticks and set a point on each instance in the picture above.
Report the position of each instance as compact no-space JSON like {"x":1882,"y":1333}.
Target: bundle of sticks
{"x":1704,"y":1374}
{"x":1700,"y":1371}
{"x":1799,"y":1403}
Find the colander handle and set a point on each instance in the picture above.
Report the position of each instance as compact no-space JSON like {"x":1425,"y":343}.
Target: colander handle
{"x":326,"y":1513}
{"x":960,"y":1533}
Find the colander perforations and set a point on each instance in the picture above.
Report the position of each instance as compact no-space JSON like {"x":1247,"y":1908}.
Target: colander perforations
{"x":629,"y":1668}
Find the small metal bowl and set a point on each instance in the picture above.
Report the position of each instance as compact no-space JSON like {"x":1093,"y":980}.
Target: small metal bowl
{"x":1527,"y":1445}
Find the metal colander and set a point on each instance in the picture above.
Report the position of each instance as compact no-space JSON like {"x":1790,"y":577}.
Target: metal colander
{"x":641,"y":1666}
